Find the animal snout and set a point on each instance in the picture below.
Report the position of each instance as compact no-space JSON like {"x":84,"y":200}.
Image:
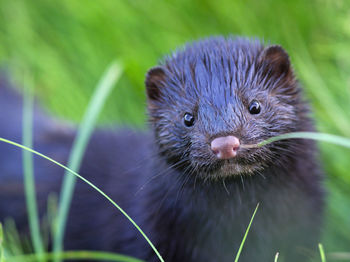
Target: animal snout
{"x":225,"y":147}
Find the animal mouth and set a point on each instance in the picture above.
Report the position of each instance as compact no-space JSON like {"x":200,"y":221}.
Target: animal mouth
{"x":231,"y":168}
{"x":244,"y":163}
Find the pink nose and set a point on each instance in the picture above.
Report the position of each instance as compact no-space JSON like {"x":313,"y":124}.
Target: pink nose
{"x":225,"y":147}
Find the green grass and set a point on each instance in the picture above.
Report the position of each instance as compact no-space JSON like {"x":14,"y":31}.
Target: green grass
{"x":1,"y":244}
{"x":246,"y":234}
{"x":103,"y":89}
{"x":322,"y":254}
{"x":72,"y":172}
{"x":75,"y":255}
{"x":329,"y":138}
{"x":65,"y":46}
{"x":28,"y":172}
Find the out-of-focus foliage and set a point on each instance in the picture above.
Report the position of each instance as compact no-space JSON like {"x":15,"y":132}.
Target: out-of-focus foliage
{"x":67,"y":44}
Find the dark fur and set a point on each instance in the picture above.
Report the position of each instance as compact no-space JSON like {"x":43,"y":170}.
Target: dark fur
{"x":191,"y":205}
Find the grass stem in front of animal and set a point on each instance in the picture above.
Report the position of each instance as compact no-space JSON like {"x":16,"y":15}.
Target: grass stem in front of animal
{"x":329,"y":138}
{"x":1,"y":247}
{"x":103,"y":89}
{"x":75,"y":255}
{"x":322,"y":254}
{"x":246,"y":234}
{"x":90,"y":184}
{"x":28,"y":169}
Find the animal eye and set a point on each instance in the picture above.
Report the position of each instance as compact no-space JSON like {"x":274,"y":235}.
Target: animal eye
{"x":188,"y":119}
{"x":254,"y":107}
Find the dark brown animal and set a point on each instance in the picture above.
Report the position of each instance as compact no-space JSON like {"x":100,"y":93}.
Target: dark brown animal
{"x":190,"y":184}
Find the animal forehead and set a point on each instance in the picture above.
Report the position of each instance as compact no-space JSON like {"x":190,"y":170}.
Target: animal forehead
{"x":216,"y":53}
{"x":215,"y":65}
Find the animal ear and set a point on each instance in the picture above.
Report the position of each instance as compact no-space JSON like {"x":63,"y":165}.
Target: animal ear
{"x":276,"y":61}
{"x":154,"y":82}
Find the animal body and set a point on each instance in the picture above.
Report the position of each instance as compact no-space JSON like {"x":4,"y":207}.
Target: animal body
{"x":188,"y":182}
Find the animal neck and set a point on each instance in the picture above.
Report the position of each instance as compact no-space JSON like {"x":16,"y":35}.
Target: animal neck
{"x":196,"y":214}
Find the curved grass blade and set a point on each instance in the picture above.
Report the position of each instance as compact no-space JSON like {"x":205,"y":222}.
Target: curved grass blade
{"x":90,"y":184}
{"x":76,"y":255}
{"x":276,"y":257}
{"x":28,"y":173}
{"x":333,"y":139}
{"x":103,"y":89}
{"x":246,"y":234}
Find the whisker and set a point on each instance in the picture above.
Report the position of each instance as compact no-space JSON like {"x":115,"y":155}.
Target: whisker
{"x":224,"y":184}
{"x":160,"y":173}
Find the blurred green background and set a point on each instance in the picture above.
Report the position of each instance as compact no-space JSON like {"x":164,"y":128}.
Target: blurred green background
{"x":66,"y":45}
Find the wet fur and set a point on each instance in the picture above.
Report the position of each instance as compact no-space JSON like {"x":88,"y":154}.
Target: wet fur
{"x":192,"y":206}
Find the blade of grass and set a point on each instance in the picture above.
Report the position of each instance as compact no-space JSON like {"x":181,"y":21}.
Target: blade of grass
{"x":90,"y":184}
{"x":28,"y":174}
{"x":322,"y":254}
{"x":52,"y":207}
{"x":103,"y":89}
{"x":276,"y":257}
{"x":246,"y":234}
{"x":1,"y":247}
{"x":338,"y":140}
{"x":76,"y":255}
{"x":14,"y":244}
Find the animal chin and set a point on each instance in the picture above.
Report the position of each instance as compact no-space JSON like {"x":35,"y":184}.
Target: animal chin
{"x":230,"y":169}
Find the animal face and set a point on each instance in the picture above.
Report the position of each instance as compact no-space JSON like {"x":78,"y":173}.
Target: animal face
{"x":223,"y":88}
